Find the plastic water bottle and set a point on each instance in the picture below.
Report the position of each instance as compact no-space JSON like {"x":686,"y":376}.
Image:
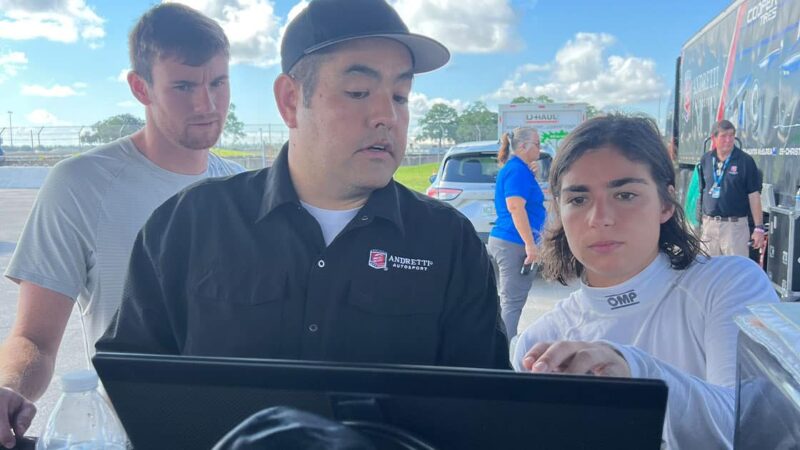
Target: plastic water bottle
{"x":797,"y":200}
{"x":82,"y":418}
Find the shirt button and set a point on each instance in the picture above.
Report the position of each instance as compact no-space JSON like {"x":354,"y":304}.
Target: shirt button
{"x":321,"y":263}
{"x":313,"y":328}
{"x":364,"y":218}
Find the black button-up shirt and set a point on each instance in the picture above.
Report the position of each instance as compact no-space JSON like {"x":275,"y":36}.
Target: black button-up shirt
{"x":741,"y":178}
{"x":237,"y":267}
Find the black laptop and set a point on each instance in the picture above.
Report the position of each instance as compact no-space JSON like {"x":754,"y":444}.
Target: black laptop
{"x":191,"y":402}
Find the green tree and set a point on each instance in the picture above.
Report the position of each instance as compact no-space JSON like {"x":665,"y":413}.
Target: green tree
{"x":476,"y":123}
{"x":112,"y":128}
{"x":540,"y":99}
{"x":439,"y":122}
{"x":591,"y":111}
{"x":234,"y":128}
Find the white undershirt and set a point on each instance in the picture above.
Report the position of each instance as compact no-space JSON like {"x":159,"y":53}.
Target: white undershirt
{"x":332,"y":221}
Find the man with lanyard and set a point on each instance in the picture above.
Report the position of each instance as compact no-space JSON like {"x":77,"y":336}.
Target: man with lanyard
{"x":731,"y":188}
{"x":322,"y":256}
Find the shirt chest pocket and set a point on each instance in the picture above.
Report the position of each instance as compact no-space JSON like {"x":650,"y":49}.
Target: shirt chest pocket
{"x":401,"y":320}
{"x":240,"y":289}
{"x":239,"y":314}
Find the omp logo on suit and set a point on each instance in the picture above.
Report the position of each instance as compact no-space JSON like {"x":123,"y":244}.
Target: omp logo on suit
{"x":623,"y":299}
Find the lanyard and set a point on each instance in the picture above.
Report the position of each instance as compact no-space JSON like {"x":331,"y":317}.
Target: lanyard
{"x":719,"y":174}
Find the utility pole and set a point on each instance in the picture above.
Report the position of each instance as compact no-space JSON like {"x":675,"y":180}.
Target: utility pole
{"x":10,"y":130}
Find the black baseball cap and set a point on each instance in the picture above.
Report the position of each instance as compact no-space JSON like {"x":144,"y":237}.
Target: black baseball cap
{"x":326,"y":22}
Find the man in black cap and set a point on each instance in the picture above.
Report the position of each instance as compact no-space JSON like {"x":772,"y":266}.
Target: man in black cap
{"x":322,"y":256}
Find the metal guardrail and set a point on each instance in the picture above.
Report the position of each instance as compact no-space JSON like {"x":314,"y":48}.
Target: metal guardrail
{"x":256,"y":161}
{"x":45,"y":146}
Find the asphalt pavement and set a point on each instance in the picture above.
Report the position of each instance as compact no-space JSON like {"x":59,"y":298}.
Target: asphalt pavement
{"x":15,"y":204}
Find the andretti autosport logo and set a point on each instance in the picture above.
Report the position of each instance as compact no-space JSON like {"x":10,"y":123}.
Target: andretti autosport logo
{"x":382,"y":260}
{"x":377,"y":259}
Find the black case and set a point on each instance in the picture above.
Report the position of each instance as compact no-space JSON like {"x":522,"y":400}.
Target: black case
{"x":783,"y":252}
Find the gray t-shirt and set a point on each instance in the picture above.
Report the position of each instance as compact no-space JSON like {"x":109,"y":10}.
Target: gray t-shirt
{"x":79,"y":236}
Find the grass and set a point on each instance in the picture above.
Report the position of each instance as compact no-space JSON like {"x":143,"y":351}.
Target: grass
{"x":227,"y":153}
{"x":416,"y":178}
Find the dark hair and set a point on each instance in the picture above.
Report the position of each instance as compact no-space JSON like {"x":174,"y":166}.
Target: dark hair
{"x":722,"y":125}
{"x":172,"y":30}
{"x":508,"y":142}
{"x":638,"y":140}
{"x":306,"y":71}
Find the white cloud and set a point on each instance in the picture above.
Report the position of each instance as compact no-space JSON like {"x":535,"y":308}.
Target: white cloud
{"x":11,"y":63}
{"x":252,"y":28}
{"x":582,"y":72}
{"x":295,"y":11}
{"x":419,"y":104}
{"x":55,"y":20}
{"x":128,"y":104}
{"x":56,"y":90}
{"x":533,"y":68}
{"x":43,"y":117}
{"x":464,"y":26}
{"x":122,"y":77}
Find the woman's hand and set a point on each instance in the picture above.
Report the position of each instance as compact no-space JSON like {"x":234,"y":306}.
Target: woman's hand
{"x":575,"y":357}
{"x":531,"y":254}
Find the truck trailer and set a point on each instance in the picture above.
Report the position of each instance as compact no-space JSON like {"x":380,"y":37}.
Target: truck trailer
{"x":552,"y":120}
{"x":744,"y":66}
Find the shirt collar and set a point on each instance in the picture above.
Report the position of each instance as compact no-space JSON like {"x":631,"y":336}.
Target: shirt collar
{"x":733,"y":154}
{"x":385,"y":203}
{"x":278,"y":190}
{"x":516,"y":159}
{"x":645,"y":289}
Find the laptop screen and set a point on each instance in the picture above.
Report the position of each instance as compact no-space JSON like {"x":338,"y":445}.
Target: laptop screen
{"x":192,"y":402}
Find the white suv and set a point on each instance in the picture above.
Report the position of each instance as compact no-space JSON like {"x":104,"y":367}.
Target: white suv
{"x":465,"y":179}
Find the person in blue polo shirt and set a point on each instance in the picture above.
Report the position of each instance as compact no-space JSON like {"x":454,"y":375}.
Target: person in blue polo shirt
{"x":519,"y":202}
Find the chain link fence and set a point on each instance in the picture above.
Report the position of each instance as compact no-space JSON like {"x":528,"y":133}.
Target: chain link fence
{"x":254,"y":146}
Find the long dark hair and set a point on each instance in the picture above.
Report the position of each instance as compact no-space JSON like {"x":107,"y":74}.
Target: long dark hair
{"x":638,"y":140}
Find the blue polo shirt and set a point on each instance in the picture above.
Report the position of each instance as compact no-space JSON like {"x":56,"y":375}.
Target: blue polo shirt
{"x":515,"y":179}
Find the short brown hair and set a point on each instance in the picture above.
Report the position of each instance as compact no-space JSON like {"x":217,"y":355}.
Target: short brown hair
{"x":638,"y":140}
{"x":172,"y":30}
{"x":722,"y":125}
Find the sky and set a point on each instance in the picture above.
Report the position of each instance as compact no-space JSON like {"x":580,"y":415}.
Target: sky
{"x":63,"y":62}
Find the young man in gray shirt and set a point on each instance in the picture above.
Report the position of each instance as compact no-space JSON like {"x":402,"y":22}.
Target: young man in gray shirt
{"x":78,"y":239}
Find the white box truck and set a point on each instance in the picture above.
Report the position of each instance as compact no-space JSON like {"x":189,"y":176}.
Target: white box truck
{"x":553,"y":120}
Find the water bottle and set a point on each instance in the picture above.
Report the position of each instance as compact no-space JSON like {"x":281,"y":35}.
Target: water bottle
{"x":82,"y":418}
{"x":797,"y":200}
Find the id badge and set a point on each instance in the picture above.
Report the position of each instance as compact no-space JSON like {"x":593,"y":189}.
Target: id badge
{"x":714,"y":191}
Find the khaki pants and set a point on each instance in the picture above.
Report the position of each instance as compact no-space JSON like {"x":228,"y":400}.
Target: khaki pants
{"x":726,"y":238}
